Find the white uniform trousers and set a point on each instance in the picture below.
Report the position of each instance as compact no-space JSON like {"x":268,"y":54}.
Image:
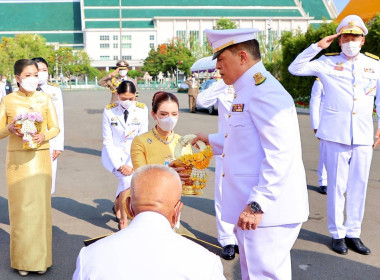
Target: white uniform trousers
{"x":348,"y":169}
{"x":225,"y":230}
{"x":265,"y":252}
{"x":322,"y":173}
{"x":54,"y":164}
{"x":124,"y":182}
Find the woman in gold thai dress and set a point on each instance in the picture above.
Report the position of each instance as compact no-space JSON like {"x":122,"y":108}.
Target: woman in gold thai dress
{"x":157,"y":146}
{"x":28,"y":173}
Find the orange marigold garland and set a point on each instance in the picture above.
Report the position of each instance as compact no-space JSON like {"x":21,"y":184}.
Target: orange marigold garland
{"x":195,"y":164}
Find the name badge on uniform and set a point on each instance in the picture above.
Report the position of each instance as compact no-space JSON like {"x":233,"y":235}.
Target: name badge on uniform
{"x":237,"y":107}
{"x":369,"y":70}
{"x":114,"y":122}
{"x":339,"y":66}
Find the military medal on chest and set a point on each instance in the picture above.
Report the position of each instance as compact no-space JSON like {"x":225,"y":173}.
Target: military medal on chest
{"x":237,"y":108}
{"x":339,"y":66}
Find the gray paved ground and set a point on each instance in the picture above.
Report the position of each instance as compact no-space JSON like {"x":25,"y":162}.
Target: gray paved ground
{"x":85,"y":191}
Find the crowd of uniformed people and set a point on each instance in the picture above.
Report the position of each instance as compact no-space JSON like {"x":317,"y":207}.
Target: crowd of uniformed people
{"x":261,"y":195}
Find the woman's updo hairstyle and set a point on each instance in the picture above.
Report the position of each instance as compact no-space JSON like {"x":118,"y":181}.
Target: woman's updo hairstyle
{"x":20,"y":66}
{"x":126,"y":86}
{"x":162,"y":96}
{"x":40,"y":60}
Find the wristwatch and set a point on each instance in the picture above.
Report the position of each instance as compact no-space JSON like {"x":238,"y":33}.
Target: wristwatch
{"x":255,"y":208}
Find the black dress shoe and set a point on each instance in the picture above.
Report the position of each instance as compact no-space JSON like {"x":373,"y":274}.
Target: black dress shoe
{"x":228,"y":252}
{"x":357,"y":245}
{"x":339,"y":246}
{"x":323,"y":189}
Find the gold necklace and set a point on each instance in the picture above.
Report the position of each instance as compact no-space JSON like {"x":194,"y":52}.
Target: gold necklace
{"x":162,"y":140}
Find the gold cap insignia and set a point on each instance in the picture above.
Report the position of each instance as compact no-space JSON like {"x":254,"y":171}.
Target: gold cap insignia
{"x":259,"y":79}
{"x":351,"y":23}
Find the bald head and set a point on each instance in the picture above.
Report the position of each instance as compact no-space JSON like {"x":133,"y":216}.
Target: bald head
{"x":155,"y":188}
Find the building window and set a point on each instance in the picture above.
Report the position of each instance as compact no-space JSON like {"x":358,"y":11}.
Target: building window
{"x":194,"y":35}
{"x":104,"y":57}
{"x":151,"y":45}
{"x":126,"y":45}
{"x":181,"y":35}
{"x":115,"y":57}
{"x":151,"y":37}
{"x":127,"y":57}
{"x":104,"y":37}
{"x":115,"y":45}
{"x":104,"y":46}
{"x":126,"y":37}
{"x":115,"y":37}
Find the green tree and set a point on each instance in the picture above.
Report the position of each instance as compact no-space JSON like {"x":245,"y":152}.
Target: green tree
{"x":167,"y":57}
{"x":21,"y":46}
{"x":225,"y":23}
{"x":371,"y":44}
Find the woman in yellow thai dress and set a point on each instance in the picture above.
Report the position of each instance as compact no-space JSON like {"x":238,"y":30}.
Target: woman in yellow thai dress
{"x":28,"y":173}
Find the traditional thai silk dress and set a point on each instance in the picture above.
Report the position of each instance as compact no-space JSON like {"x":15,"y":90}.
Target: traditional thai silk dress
{"x":28,"y":174}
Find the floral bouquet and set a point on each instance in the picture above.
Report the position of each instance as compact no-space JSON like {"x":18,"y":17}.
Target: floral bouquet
{"x":195,"y":164}
{"x":29,"y":124}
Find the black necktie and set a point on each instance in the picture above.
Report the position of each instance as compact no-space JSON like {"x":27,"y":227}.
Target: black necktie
{"x":125,"y":115}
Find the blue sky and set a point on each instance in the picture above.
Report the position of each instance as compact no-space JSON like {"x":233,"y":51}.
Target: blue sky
{"x":340,"y":4}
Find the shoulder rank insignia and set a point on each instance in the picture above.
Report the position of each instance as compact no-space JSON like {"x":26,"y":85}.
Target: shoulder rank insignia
{"x":332,"y":54}
{"x":259,"y":79}
{"x":237,"y":108}
{"x":110,"y":106}
{"x":53,"y":84}
{"x":371,"y":55}
{"x":140,"y":105}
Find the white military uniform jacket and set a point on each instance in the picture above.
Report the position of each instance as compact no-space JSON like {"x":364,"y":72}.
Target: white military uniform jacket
{"x":118,"y":135}
{"x":221,"y":94}
{"x":262,"y":158}
{"x":316,"y":103}
{"x":55,"y":92}
{"x":350,"y":86}
{"x":147,"y":249}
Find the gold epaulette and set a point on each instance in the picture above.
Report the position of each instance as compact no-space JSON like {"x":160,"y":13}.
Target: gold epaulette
{"x":331,"y":54}
{"x":140,"y":105}
{"x":110,"y":106}
{"x":115,"y":82}
{"x":53,"y":84}
{"x":375,"y":57}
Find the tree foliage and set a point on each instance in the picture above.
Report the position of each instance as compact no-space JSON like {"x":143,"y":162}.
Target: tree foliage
{"x":225,"y":23}
{"x":167,"y":57}
{"x":63,"y":60}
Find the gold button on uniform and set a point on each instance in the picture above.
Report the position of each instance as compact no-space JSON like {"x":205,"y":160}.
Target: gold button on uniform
{"x":225,"y":135}
{"x":354,"y":85}
{"x":223,"y":155}
{"x":353,"y":113}
{"x":229,"y":115}
{"x":355,"y":99}
{"x":223,"y":174}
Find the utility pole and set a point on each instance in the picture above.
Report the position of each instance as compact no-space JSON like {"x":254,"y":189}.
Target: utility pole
{"x":121,"y":26}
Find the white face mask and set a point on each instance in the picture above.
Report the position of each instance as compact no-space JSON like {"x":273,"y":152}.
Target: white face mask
{"x":123,"y":73}
{"x":351,"y":48}
{"x":30,"y":84}
{"x":3,"y":80}
{"x":167,"y":124}
{"x":43,"y":76}
{"x":125,"y":103}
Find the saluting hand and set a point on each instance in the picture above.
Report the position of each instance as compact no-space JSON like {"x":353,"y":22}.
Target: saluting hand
{"x":114,"y":73}
{"x":377,"y":136}
{"x":248,"y":220}
{"x":326,"y":41}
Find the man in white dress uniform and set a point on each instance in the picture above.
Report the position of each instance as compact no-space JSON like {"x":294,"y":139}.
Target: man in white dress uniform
{"x":264,"y":184}
{"x":316,"y":105}
{"x":351,"y":81}
{"x":57,"y":143}
{"x":137,"y":252}
{"x":222,"y":95}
